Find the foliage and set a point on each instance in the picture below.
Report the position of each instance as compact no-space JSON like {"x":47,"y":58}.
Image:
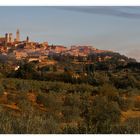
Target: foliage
{"x":104,"y":114}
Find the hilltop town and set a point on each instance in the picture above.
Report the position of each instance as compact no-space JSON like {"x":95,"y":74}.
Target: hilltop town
{"x":26,"y":49}
{"x":15,"y":50}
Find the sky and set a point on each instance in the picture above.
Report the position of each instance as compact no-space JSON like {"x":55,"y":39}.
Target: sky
{"x":109,"y":28}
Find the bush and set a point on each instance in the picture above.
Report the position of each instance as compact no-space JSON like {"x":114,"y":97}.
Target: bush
{"x":71,"y":100}
{"x":70,"y":113}
{"x":104,"y":114}
{"x":126,"y":104}
{"x":40,"y":99}
{"x":71,"y":109}
{"x":110,"y":92}
{"x":23,"y":86}
{"x":101,"y":78}
{"x":8,"y":84}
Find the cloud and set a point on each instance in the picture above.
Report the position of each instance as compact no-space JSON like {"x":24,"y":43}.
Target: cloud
{"x":118,"y":11}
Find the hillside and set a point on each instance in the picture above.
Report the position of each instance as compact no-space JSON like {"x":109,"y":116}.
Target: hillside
{"x":95,"y":93}
{"x":33,"y":106}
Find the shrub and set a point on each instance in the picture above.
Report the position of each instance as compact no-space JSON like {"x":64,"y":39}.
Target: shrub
{"x":104,"y":113}
{"x":23,"y":86}
{"x":8,"y":84}
{"x":41,"y":99}
{"x":101,"y":78}
{"x":70,"y":113}
{"x":71,"y":106}
{"x":110,"y":92}
{"x":71,"y":100}
{"x":125,"y":104}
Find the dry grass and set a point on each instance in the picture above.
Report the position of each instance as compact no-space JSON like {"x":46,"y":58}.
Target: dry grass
{"x":129,"y":114}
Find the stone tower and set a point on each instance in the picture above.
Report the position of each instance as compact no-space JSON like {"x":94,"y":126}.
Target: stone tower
{"x":27,"y":39}
{"x":17,"y":35}
{"x":10,"y":37}
{"x":6,"y":39}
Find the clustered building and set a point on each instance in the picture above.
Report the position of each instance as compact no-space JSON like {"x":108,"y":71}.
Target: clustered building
{"x":26,"y":49}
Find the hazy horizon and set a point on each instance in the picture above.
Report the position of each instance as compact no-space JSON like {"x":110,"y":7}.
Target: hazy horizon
{"x":109,"y":28}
